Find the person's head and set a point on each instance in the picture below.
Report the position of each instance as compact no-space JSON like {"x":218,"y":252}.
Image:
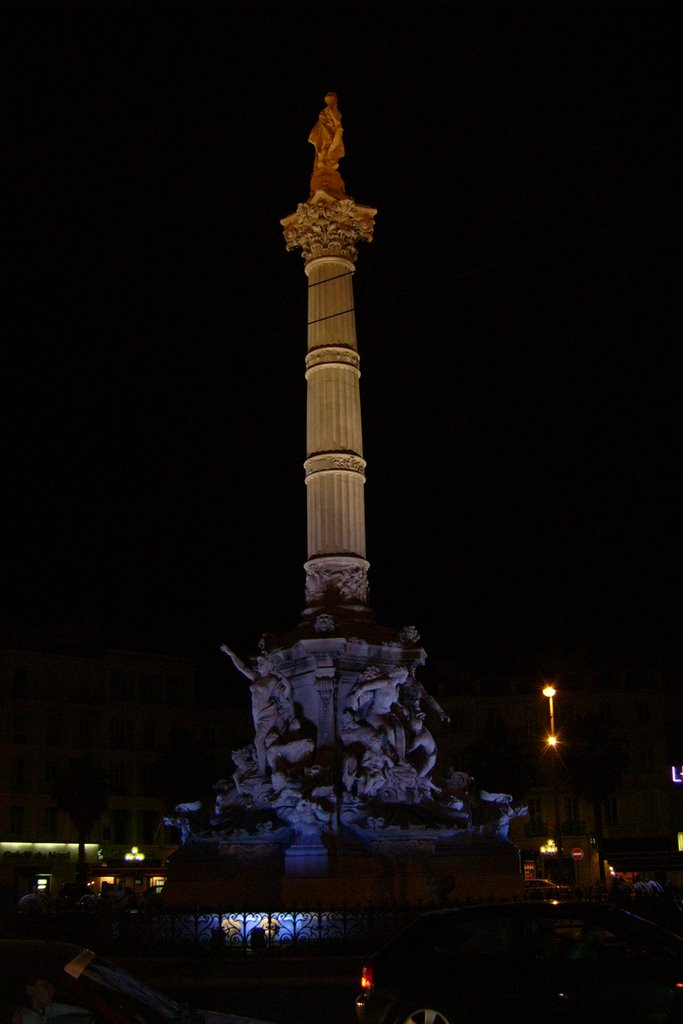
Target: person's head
{"x":331,"y":99}
{"x":40,"y":992}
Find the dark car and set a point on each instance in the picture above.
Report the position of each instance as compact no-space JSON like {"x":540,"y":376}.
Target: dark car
{"x":544,"y":889}
{"x":88,"y":988}
{"x":525,"y":962}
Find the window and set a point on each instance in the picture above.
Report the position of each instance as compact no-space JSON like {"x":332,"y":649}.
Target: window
{"x":123,"y":686}
{"x":486,"y":936}
{"x":20,"y":730}
{"x":83,"y":733}
{"x":121,"y":830}
{"x":16,"y":821}
{"x":177,"y":691}
{"x":51,"y":731}
{"x":121,"y":734}
{"x":18,"y":775}
{"x":571,"y":938}
{"x":149,"y":733}
{"x":50,"y":823}
{"x":150,"y":825}
{"x":119,"y":777}
{"x":494,"y":719}
{"x":147,"y":779}
{"x":535,"y":805}
{"x":20,"y":688}
{"x":641,"y":712}
{"x":610,"y":811}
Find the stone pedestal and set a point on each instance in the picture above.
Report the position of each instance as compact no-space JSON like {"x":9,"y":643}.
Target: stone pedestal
{"x":307,"y":860}
{"x":396,"y":871}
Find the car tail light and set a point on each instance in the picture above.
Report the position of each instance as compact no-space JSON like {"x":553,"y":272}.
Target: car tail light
{"x":366,"y":980}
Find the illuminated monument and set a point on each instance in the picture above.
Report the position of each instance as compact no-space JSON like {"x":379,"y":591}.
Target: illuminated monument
{"x":338,"y":795}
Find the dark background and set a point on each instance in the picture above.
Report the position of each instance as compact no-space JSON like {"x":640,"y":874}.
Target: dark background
{"x":518,"y":318}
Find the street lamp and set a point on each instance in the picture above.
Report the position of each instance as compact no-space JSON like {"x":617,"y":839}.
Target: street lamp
{"x":549,"y":691}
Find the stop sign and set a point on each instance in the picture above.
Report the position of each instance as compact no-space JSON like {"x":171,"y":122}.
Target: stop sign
{"x":577,"y":853}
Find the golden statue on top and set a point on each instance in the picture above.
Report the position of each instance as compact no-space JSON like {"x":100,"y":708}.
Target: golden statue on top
{"x":327,"y":137}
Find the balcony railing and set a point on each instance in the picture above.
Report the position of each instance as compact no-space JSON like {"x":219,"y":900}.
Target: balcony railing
{"x":544,"y":828}
{"x":574,"y":827}
{"x":537,"y":828}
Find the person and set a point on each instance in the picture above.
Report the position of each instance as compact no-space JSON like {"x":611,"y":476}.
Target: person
{"x":326,"y":136}
{"x":37,"y":1003}
{"x":272,"y":706}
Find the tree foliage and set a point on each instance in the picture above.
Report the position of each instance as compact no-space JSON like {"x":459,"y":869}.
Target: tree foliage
{"x":82,"y":792}
{"x":596,"y":759}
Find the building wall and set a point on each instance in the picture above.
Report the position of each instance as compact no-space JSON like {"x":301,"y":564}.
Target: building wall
{"x":124,"y":710}
{"x":645,"y":813}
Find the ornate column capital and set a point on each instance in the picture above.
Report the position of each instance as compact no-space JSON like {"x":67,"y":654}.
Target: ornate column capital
{"x":327,"y":226}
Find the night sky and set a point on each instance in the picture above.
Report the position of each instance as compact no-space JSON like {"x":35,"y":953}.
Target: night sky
{"x":518,"y":319}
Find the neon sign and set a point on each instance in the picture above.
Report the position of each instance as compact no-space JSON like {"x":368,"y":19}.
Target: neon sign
{"x":677,"y":773}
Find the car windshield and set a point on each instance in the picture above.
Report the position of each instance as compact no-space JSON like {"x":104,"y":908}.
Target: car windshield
{"x":115,"y":987}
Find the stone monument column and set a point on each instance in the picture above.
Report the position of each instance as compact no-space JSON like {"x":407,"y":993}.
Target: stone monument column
{"x":327,"y":229}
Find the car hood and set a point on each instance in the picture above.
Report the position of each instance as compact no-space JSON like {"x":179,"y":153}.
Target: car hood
{"x":211,"y":1017}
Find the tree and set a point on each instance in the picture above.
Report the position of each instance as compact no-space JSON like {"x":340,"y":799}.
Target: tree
{"x":82,"y":792}
{"x":596,"y":759}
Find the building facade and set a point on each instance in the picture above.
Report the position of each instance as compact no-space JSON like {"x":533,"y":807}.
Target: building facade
{"x":641,"y":816}
{"x":136,"y":716}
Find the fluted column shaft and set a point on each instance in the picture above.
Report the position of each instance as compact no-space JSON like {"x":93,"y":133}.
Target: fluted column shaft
{"x":334,"y":444}
{"x":327,"y":229}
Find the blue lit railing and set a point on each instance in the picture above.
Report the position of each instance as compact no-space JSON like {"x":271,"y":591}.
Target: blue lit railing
{"x":335,"y":929}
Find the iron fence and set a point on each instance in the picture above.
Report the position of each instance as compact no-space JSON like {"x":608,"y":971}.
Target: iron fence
{"x":334,"y":930}
{"x":342,"y":930}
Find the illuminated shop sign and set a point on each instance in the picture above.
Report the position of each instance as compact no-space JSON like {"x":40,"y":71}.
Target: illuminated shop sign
{"x":40,"y":853}
{"x":677,"y":773}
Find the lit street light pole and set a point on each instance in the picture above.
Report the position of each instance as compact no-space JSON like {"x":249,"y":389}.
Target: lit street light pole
{"x":549,"y":691}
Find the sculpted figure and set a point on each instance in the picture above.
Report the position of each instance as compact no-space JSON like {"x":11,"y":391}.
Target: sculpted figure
{"x":376,"y":699}
{"x":365,"y":773}
{"x":227,"y":797}
{"x":422,"y":750}
{"x":272,"y":707}
{"x":326,"y":136}
{"x":182,"y":823}
{"x":293,"y":751}
{"x":416,"y":695}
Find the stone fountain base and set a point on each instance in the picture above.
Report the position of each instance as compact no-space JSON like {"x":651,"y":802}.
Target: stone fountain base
{"x":393,"y":870}
{"x":339,"y":798}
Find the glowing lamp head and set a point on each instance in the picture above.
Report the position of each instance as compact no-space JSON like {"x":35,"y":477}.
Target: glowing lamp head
{"x":366,"y":980}
{"x":552,"y":741}
{"x":549,"y":691}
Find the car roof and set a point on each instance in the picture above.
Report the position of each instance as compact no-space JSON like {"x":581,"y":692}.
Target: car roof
{"x":536,"y":908}
{"x":520,"y":907}
{"x":531,"y":910}
{"x":29,"y":953}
